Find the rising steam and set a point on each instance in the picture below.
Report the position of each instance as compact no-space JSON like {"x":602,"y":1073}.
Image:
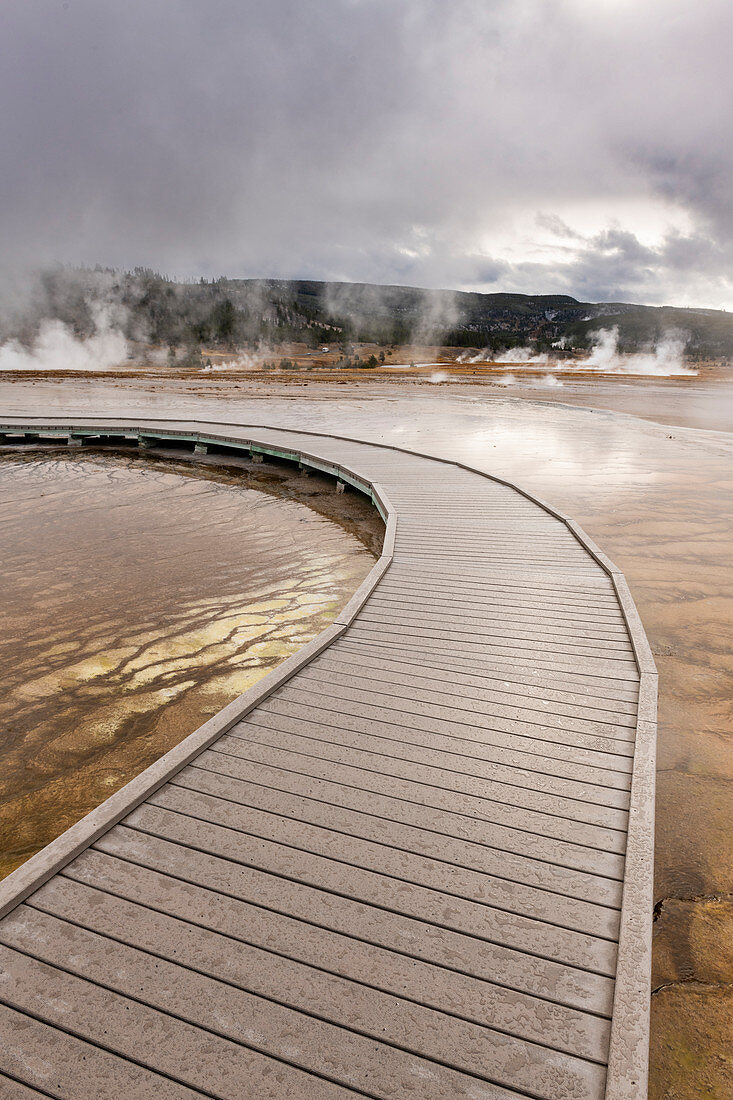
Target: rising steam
{"x":56,"y":348}
{"x":242,"y":361}
{"x":523,"y":356}
{"x":665,"y":360}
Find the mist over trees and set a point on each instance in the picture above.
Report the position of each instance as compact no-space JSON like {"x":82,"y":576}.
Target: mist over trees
{"x":248,"y":314}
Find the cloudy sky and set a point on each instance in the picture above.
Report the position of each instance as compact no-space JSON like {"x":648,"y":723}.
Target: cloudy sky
{"x":574,"y":146}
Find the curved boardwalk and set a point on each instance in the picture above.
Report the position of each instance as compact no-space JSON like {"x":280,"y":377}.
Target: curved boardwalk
{"x":413,"y":862}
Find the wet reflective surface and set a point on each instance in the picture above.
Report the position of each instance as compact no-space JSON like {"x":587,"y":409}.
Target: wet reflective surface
{"x":659,"y":501}
{"x":137,"y":599}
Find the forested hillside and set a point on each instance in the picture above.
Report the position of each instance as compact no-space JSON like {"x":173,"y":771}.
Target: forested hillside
{"x":250,"y":313}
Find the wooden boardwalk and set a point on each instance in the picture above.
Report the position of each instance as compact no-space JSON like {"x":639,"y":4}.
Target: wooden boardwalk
{"x":415,"y":861}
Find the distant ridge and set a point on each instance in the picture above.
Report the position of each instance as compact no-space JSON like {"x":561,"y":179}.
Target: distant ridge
{"x":251,"y":312}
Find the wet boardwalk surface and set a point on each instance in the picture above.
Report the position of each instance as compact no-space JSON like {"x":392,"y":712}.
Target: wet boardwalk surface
{"x":419,"y":866}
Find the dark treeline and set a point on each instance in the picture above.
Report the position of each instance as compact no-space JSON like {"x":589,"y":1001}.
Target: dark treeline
{"x":155,"y":309}
{"x":253,"y":313}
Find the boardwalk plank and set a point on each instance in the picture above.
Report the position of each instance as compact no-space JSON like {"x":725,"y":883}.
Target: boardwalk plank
{"x":354,"y":1061}
{"x":314,"y":705}
{"x":460,"y":820}
{"x":467,"y":685}
{"x":485,"y":612}
{"x":356,"y":1005}
{"x":531,"y":811}
{"x":410,"y":838}
{"x":191,"y":1056}
{"x":14,"y":1090}
{"x":483,"y":628}
{"x":438,"y":767}
{"x":397,"y":955}
{"x":504,"y":892}
{"x":500,"y":656}
{"x":461,"y":750}
{"x":58,"y":1064}
{"x":499,"y":605}
{"x":456,"y":1048}
{"x":346,"y":903}
{"x":597,"y":690}
{"x":576,"y":656}
{"x":422,"y":688}
{"x":482,"y":916}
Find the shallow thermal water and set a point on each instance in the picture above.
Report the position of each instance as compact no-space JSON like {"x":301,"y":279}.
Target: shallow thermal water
{"x":136,"y":601}
{"x":659,"y":500}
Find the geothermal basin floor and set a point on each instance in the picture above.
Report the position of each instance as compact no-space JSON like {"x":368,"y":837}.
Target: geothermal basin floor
{"x":415,"y":860}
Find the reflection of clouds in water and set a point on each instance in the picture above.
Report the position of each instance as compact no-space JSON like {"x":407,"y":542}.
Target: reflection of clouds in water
{"x":613,"y":451}
{"x":549,"y":442}
{"x":514,"y":437}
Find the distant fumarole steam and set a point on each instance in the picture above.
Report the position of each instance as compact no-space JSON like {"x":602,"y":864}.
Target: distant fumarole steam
{"x":664,"y":360}
{"x":56,"y":348}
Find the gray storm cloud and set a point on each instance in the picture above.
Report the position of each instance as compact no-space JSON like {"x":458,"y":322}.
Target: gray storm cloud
{"x":394,"y":141}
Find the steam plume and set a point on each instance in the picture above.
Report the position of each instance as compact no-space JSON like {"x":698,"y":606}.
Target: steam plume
{"x":57,"y":348}
{"x":664,"y":360}
{"x":521,"y":355}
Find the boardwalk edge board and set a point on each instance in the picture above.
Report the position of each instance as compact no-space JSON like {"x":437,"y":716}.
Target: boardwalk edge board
{"x":628,"y":1056}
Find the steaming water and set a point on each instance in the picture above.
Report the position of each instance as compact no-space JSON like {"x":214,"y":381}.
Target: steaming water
{"x":136,"y":602}
{"x":520,"y":356}
{"x":57,"y":348}
{"x":665,"y":360}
